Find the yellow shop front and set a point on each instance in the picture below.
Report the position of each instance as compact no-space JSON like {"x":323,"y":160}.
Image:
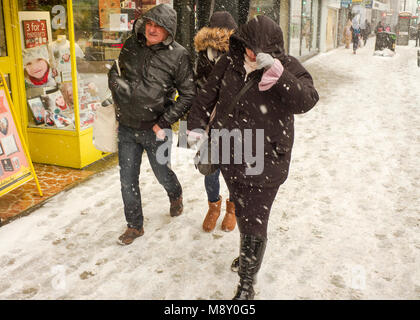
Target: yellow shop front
{"x":56,"y":55}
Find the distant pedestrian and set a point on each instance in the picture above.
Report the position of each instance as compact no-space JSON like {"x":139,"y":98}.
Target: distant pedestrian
{"x":355,"y":38}
{"x":366,"y":32}
{"x":355,"y":29}
{"x":418,"y":35}
{"x":347,"y":35}
{"x":379,"y":27}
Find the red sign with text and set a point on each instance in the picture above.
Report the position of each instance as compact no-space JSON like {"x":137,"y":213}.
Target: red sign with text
{"x":35,"y":33}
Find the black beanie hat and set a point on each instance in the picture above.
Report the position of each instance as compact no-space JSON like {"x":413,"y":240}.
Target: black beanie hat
{"x":222,"y":19}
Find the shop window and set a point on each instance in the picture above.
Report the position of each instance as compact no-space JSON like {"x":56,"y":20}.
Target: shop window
{"x":314,"y":20}
{"x":263,"y":7}
{"x":101,"y":28}
{"x":47,"y":64}
{"x":295,"y":27}
{"x":303,"y":27}
{"x":306,"y":44}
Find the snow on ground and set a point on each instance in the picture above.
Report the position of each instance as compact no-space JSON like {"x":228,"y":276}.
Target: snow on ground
{"x":344,"y":226}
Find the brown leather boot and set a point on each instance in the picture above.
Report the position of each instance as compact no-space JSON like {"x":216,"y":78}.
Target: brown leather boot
{"x":130,"y":235}
{"x":229,"y":221}
{"x":176,"y":207}
{"x":212,"y":215}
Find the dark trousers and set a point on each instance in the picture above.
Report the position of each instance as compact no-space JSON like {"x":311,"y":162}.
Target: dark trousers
{"x":252,"y":207}
{"x":131,"y":144}
{"x":418,"y":39}
{"x":355,"y":42}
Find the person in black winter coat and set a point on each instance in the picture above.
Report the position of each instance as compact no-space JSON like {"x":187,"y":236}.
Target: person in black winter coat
{"x":366,"y":32}
{"x":151,"y":67}
{"x":211,"y":43}
{"x":262,"y":121}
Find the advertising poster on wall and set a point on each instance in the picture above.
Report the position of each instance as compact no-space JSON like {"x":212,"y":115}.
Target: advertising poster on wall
{"x":35,"y":28}
{"x":15,"y":167}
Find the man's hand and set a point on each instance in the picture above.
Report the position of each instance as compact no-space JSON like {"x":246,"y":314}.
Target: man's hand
{"x":160,"y":134}
{"x":264,"y":60}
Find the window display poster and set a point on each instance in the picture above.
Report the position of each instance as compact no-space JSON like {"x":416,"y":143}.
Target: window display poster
{"x":35,"y":28}
{"x":118,"y":22}
{"x":14,"y":166}
{"x":35,"y":33}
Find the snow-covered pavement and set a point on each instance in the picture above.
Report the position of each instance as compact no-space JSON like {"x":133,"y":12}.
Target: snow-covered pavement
{"x":345,"y":225}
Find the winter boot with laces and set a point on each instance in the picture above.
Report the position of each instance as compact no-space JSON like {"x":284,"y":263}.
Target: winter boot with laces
{"x":212,"y":215}
{"x":250,"y":258}
{"x":229,"y":221}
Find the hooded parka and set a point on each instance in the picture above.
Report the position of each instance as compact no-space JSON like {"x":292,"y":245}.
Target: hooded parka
{"x":271,"y":110}
{"x":215,"y":37}
{"x":144,"y":94}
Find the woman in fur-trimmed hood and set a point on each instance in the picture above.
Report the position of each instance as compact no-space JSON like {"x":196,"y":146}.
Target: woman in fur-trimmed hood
{"x":211,"y":43}
{"x":260,"y":121}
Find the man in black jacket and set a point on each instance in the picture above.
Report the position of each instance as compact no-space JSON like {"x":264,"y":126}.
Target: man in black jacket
{"x":150,"y":69}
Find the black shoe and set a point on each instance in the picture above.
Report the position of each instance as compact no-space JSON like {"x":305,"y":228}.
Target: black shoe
{"x":250,"y":259}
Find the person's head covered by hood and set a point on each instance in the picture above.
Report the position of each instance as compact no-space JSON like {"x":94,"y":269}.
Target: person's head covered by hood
{"x":157,"y":25}
{"x":215,"y":37}
{"x":259,"y":35}
{"x":211,"y":42}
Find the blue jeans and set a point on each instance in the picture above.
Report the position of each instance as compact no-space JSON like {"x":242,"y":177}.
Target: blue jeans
{"x":131,"y":144}
{"x":212,"y":184}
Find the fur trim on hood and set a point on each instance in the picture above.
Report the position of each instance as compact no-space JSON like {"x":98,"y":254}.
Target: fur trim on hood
{"x":216,"y":38}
